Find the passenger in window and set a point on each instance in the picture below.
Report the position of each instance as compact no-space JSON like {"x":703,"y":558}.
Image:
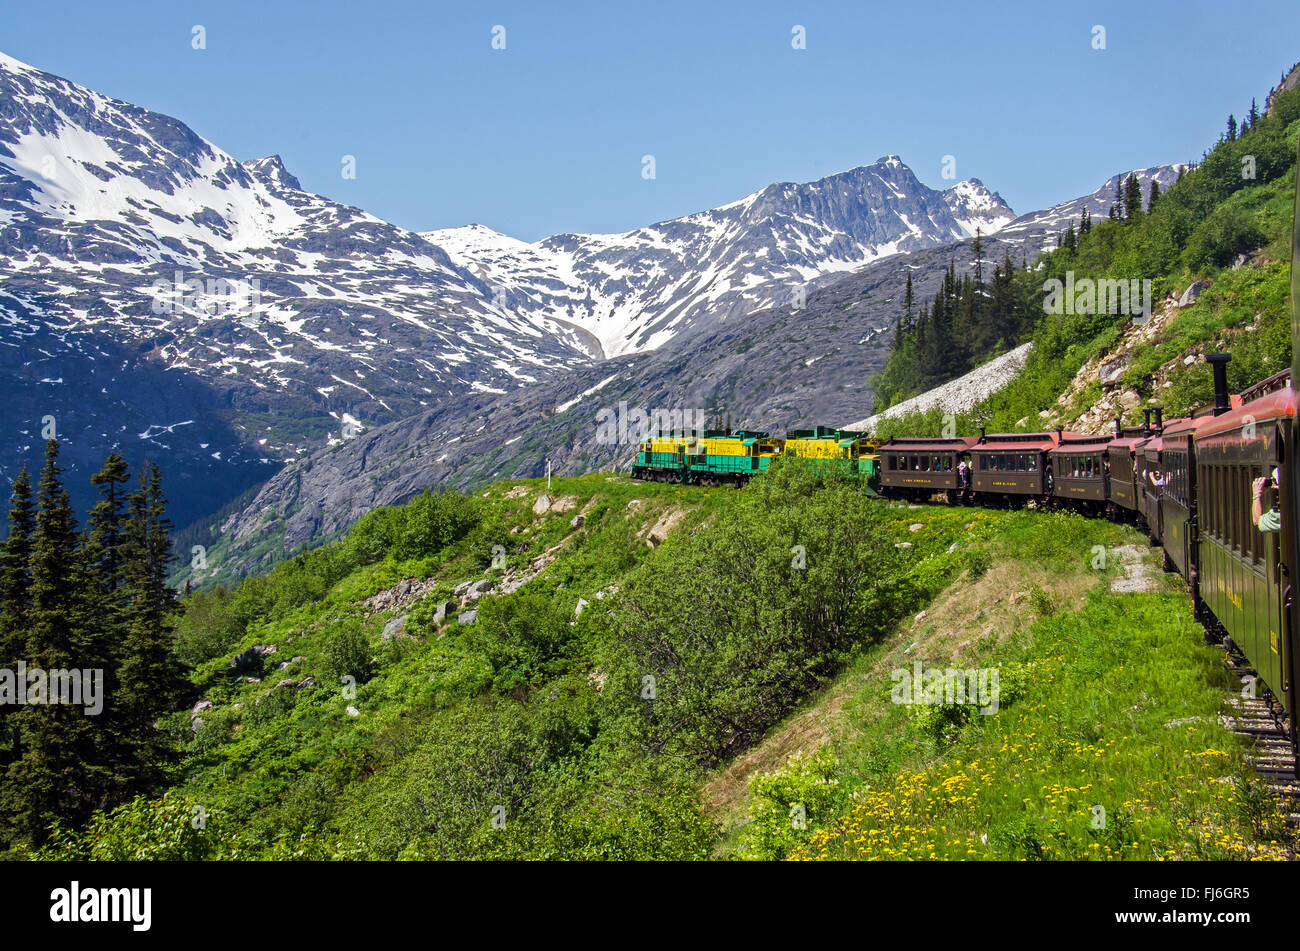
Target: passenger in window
{"x":1266,"y":520}
{"x":1157,"y":478}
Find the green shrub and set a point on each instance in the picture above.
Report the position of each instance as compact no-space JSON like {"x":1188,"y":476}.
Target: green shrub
{"x":173,"y":828}
{"x":347,"y":652}
{"x":788,"y":803}
{"x":432,"y":521}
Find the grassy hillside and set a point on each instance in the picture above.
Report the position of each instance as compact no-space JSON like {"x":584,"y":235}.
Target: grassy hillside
{"x":1198,"y":230}
{"x":722,"y":633}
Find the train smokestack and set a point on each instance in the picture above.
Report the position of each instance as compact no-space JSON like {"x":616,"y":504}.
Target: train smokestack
{"x":1159,"y":422}
{"x":1119,"y":427}
{"x":1146,"y":422}
{"x":1219,"y":361}
{"x":982,"y":429}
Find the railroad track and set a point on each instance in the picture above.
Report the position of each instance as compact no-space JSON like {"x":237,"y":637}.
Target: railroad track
{"x":1262,"y":723}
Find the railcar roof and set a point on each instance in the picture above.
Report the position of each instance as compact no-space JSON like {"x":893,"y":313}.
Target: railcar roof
{"x":1083,"y":445}
{"x":1276,"y":405}
{"x":929,"y":444}
{"x":1127,"y":442}
{"x":1009,"y":442}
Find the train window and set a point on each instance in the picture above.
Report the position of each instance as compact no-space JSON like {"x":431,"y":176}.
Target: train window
{"x":1243,"y":506}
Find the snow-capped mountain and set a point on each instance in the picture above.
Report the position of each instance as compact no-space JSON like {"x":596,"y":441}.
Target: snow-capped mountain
{"x":1050,"y":222}
{"x":158,"y":295}
{"x":636,"y":291}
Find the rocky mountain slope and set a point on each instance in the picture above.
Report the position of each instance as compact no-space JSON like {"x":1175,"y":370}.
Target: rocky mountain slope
{"x":636,"y":291}
{"x":162,"y":297}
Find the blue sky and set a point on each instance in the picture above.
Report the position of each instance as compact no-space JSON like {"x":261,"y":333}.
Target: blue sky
{"x":547,"y":135}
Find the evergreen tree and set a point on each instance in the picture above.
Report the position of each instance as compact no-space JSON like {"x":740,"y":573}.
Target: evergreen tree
{"x":1085,"y":223}
{"x":1232,"y":128}
{"x":104,"y":560}
{"x":978,"y":250}
{"x":58,"y":774}
{"x":15,"y":604}
{"x":1253,"y":116}
{"x":1155,"y":196}
{"x":150,"y":680}
{"x":1132,"y":198}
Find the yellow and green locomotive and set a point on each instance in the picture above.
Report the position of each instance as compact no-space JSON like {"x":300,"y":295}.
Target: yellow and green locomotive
{"x":720,"y":457}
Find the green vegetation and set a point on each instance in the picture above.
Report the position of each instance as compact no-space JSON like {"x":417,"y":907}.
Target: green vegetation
{"x":1236,"y":201}
{"x":1105,"y":743}
{"x":542,"y":731}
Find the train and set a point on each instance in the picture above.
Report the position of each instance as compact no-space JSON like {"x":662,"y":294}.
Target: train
{"x":722,"y":457}
{"x":1218,"y":491}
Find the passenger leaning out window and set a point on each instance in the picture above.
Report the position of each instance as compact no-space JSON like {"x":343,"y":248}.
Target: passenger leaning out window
{"x":1266,"y":519}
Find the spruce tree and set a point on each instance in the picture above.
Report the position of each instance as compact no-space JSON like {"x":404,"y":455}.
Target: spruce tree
{"x":59,"y":774}
{"x":1155,"y":196}
{"x":1253,"y":116}
{"x":104,"y":560}
{"x":1232,"y":128}
{"x":150,"y":680}
{"x":15,"y":604}
{"x":1132,"y":198}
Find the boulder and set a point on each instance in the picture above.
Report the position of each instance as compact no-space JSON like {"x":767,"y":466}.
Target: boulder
{"x":582,"y":603}
{"x":468,"y":617}
{"x":542,"y":505}
{"x":461,"y":589}
{"x":662,"y":528}
{"x":517,"y":492}
{"x":195,"y":725}
{"x":353,"y":711}
{"x":1111,"y":372}
{"x":480,"y":588}
{"x":394,"y":628}
{"x":286,"y":683}
{"x":916,"y":526}
{"x":306,"y":682}
{"x":1194,"y":290}
{"x":577,"y":521}
{"x":249,"y":661}
{"x":201,"y":706}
